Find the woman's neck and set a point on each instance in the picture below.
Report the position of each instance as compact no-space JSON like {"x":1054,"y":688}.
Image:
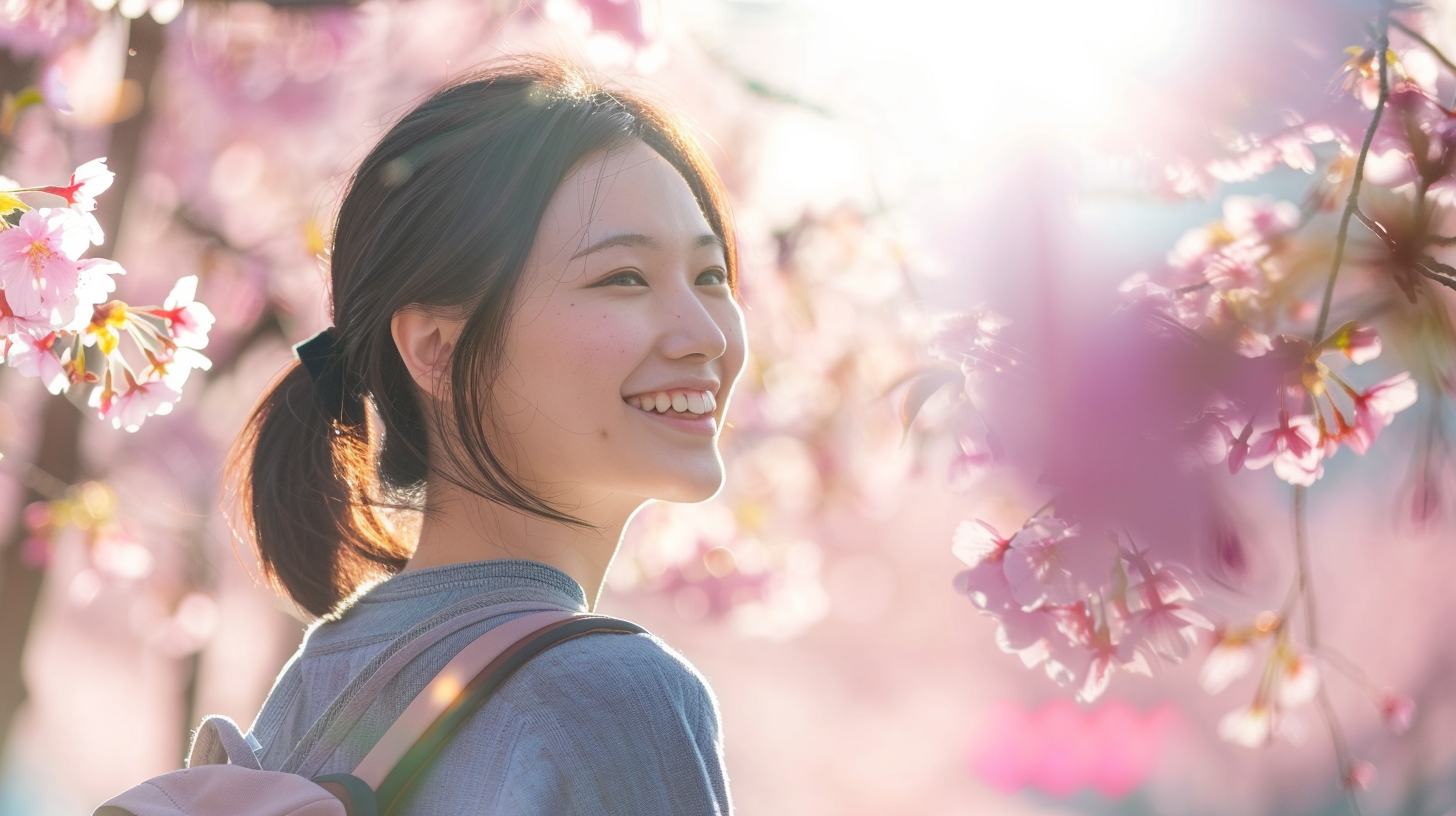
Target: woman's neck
{"x":462,"y":527}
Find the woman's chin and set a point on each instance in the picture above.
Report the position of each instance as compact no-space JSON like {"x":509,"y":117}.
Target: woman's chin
{"x":689,"y":488}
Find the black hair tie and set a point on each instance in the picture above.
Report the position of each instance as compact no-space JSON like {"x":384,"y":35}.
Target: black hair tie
{"x":340,"y":395}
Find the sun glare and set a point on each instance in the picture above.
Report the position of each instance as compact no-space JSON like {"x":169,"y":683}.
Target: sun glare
{"x":1009,"y":65}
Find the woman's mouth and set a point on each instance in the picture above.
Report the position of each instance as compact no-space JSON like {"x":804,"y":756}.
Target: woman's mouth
{"x":678,"y":402}
{"x":687,"y":410}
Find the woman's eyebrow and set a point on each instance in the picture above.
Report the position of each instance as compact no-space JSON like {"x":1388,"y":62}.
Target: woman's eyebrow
{"x":636,"y":239}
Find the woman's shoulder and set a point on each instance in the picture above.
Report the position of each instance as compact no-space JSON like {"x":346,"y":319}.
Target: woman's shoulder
{"x":617,"y":723}
{"x":603,"y":671}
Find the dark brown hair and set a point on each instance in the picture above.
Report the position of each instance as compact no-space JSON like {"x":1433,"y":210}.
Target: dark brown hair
{"x":442,"y":213}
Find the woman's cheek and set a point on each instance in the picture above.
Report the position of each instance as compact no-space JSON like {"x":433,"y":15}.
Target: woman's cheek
{"x":604,"y":343}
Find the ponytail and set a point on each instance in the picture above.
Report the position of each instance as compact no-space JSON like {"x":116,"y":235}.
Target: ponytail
{"x":303,"y":482}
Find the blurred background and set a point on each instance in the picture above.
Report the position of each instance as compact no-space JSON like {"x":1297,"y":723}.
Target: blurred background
{"x":890,"y":162}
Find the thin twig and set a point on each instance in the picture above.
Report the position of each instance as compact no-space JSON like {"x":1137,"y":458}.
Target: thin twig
{"x":1342,"y":751}
{"x":1375,"y":227}
{"x":1311,"y":634}
{"x":1438,"y":278}
{"x":1301,"y":536}
{"x":1352,"y":670}
{"x":1352,"y":203}
{"x":1435,"y":52}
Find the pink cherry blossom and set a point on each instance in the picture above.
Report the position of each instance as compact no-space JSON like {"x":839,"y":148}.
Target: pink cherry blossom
{"x":1088,"y":655}
{"x":1166,"y":626}
{"x":175,"y":368}
{"x":188,"y":320}
{"x":1361,"y":344}
{"x":1378,"y":405}
{"x":976,"y":543}
{"x":36,"y":358}
{"x":1253,"y":725}
{"x":128,"y":407}
{"x":1050,"y":564}
{"x":90,"y":180}
{"x":1230,"y":659}
{"x":1260,"y":217}
{"x":1239,"y":449}
{"x":1296,"y":679}
{"x":36,"y":325}
{"x":1397,"y":711}
{"x":38,"y":259}
{"x":1360,"y":774}
{"x":1354,"y":437}
{"x":1293,"y":447}
{"x":94,"y":284}
{"x":1028,"y":635}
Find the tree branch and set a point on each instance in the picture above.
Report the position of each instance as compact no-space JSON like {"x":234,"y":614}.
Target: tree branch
{"x":1352,"y":203}
{"x":1427,"y":44}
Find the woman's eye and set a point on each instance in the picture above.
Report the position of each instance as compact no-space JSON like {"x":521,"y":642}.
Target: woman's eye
{"x":716,"y":277}
{"x":630,"y":278}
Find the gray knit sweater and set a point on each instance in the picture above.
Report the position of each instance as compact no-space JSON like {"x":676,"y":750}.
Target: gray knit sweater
{"x":609,"y":724}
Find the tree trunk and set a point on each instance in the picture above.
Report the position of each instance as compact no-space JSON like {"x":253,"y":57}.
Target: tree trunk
{"x":59,"y":451}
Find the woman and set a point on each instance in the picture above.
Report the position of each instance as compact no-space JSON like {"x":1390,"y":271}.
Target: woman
{"x":536,"y":332}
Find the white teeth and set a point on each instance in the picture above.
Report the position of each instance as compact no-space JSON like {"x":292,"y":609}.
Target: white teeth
{"x":700,"y":402}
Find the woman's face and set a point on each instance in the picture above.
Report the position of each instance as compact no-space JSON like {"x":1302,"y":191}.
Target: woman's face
{"x":624,"y":307}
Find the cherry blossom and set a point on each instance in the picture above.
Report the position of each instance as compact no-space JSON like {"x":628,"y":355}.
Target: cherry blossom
{"x":1165,"y":627}
{"x":11,"y":324}
{"x":1049,"y":563}
{"x":1378,"y":405}
{"x":1293,"y":447}
{"x":1397,"y":711}
{"x":1089,"y":654}
{"x":90,"y":180}
{"x":1256,"y":724}
{"x":977,"y":542}
{"x":1296,"y":678}
{"x":39,"y":257}
{"x":1360,"y":343}
{"x":126,"y":408}
{"x":54,"y":305}
{"x":188,"y":320}
{"x":1231,"y":658}
{"x":34,"y":358}
{"x":1359,"y":774}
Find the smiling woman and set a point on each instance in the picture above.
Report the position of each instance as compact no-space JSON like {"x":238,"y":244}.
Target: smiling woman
{"x":643,"y":310}
{"x":536,"y":332}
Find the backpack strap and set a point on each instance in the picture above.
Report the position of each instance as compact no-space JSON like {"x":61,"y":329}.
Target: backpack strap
{"x":333,"y":726}
{"x":435,"y":697}
{"x":219,"y":741}
{"x":462,"y":687}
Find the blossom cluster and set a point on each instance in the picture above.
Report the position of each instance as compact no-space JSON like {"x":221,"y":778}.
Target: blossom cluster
{"x":1219,"y":360}
{"x":1080,"y":605}
{"x":55,"y":306}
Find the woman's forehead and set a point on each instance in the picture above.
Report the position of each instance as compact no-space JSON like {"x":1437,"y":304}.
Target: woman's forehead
{"x":628,"y":189}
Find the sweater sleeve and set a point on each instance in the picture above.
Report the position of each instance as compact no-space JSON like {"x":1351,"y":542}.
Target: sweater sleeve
{"x":617,"y":725}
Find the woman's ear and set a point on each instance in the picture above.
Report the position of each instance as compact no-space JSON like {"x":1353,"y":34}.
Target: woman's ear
{"x":425,"y":341}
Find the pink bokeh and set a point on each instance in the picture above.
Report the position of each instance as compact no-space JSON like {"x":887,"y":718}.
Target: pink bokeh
{"x":1062,"y":748}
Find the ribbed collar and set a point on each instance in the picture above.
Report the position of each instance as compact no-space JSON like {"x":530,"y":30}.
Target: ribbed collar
{"x":484,"y":576}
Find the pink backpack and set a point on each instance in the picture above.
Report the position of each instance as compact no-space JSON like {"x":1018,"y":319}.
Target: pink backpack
{"x":223,"y":776}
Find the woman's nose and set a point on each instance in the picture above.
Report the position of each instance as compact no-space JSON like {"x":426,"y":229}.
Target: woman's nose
{"x":691,"y":328}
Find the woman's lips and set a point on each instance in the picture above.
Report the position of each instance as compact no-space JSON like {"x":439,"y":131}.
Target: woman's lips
{"x":704,"y":424}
